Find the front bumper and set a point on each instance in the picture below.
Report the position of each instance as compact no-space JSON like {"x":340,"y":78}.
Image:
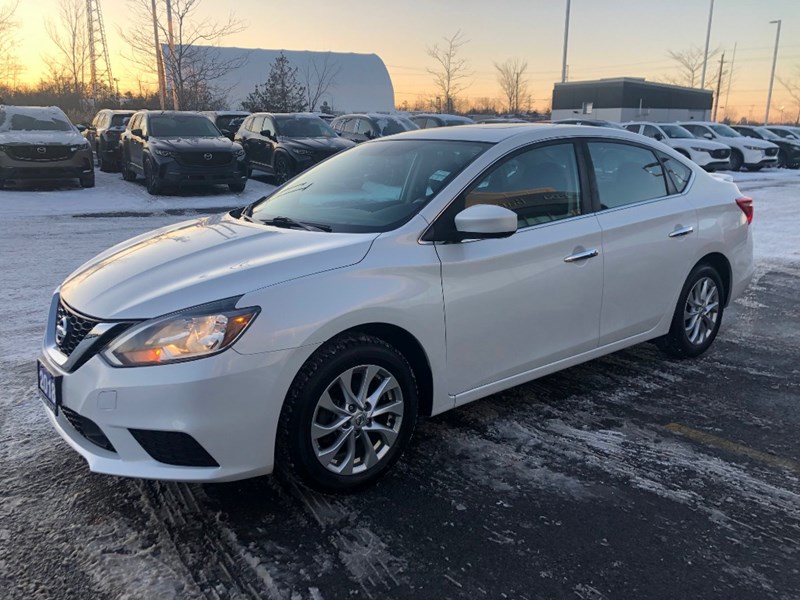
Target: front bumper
{"x":22,"y":170}
{"x":229,"y":404}
{"x":757,"y":158}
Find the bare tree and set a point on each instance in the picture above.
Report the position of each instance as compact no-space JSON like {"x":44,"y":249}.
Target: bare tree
{"x":10,"y":67}
{"x":318,"y":77}
{"x":451,"y":72}
{"x":71,"y":39}
{"x":513,"y":82}
{"x":197,"y":65}
{"x":690,"y":66}
{"x":792,"y":87}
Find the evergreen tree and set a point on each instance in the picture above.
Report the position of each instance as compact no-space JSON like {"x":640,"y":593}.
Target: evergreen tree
{"x":281,"y":92}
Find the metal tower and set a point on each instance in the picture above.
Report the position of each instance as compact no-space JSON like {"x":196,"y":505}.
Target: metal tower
{"x":98,"y":48}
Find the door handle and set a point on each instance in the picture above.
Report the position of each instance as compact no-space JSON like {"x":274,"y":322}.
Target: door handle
{"x":681,"y":231}
{"x":581,"y":256}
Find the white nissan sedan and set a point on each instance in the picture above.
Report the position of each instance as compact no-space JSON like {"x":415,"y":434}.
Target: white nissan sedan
{"x":402,"y":278}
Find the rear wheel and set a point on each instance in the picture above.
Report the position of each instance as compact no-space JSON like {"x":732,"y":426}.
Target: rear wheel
{"x":349,"y":414}
{"x":697,"y":316}
{"x":737,"y":160}
{"x":128,"y":174}
{"x":151,"y":179}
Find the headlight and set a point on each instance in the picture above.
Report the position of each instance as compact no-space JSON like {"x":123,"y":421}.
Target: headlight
{"x":303,"y":152}
{"x":752,"y":147}
{"x":696,"y":149}
{"x":186,"y":335}
{"x":165,"y":152}
{"x":83,"y":146}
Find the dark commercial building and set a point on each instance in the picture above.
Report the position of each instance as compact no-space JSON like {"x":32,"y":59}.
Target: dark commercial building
{"x":630,"y":99}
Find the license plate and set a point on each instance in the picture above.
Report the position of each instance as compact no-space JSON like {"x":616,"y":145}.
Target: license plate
{"x":49,"y":386}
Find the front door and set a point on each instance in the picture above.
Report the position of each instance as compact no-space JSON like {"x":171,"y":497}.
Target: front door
{"x":522,"y":302}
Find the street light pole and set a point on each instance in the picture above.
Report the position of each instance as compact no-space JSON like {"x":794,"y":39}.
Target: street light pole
{"x":566,"y":40}
{"x":772,"y":76}
{"x":708,"y":39}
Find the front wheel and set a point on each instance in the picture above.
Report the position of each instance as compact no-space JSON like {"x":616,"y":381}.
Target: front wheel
{"x":349,"y":414}
{"x":697,"y":316}
{"x":237,"y":187}
{"x":284,"y":170}
{"x":151,"y":179}
{"x":737,"y":160}
{"x":783,"y":161}
{"x":87,"y":181}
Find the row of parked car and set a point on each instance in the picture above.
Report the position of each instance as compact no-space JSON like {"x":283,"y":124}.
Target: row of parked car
{"x":179,"y":148}
{"x":718,"y":146}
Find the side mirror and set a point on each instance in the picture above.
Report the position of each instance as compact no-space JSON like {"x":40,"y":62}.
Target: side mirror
{"x":81,"y":128}
{"x":659,"y":137}
{"x":370,"y":135}
{"x":268,"y":133}
{"x":484,"y":221}
{"x":708,"y":136}
{"x":136,"y":132}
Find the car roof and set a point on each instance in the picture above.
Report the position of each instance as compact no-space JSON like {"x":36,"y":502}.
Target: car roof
{"x":498,"y":132}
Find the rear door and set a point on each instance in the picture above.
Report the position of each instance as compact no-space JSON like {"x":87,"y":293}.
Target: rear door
{"x":522,"y":302}
{"x":649,"y":236}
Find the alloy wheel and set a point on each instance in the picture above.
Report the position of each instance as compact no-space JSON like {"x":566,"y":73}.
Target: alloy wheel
{"x":701,"y":312}
{"x":357,"y":420}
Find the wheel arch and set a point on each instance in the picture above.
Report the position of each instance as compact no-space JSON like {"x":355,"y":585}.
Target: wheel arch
{"x":413,"y":351}
{"x":722,"y":265}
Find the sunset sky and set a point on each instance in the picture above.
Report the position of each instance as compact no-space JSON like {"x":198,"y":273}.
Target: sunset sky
{"x":608,"y":38}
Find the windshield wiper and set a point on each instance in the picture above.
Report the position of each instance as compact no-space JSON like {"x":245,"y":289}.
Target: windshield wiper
{"x":289,"y":222}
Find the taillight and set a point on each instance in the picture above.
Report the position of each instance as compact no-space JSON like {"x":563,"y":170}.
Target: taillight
{"x":746,"y":204}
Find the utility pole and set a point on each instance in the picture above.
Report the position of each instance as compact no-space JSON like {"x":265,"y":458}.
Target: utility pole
{"x":772,"y":76}
{"x":176,"y":105}
{"x":719,"y":85}
{"x":730,"y":79}
{"x":162,"y":84}
{"x":708,"y":39}
{"x":566,"y":40}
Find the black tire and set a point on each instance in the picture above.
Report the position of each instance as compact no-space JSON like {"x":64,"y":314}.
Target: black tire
{"x":677,"y":342}
{"x":87,"y":181}
{"x":151,"y":179}
{"x":296,"y":452}
{"x":737,"y":160}
{"x":106,"y":165}
{"x":128,"y":174}
{"x":237,"y":187}
{"x":782,"y":160}
{"x":284,"y":169}
{"x":754,"y":168}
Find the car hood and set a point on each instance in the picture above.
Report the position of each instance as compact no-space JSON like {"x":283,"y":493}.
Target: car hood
{"x":698,"y":143}
{"x":198,"y":144}
{"x":757,"y":143}
{"x":52,"y":138}
{"x":201,"y":261}
{"x":318,"y":144}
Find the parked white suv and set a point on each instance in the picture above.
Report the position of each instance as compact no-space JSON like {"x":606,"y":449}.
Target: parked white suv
{"x":404,"y":277}
{"x":709,"y":155}
{"x":746,"y":152}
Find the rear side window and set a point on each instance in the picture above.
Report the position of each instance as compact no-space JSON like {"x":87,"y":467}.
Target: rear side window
{"x":626,"y":174}
{"x":633,"y":128}
{"x":678,"y":172}
{"x":540,"y":185}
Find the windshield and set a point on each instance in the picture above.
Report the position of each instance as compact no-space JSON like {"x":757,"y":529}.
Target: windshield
{"x":33,"y":121}
{"x":389,"y":125}
{"x":766,"y":133}
{"x":370,"y":188}
{"x":303,"y":127}
{"x":725,"y":131}
{"x":166,"y":126}
{"x":120,"y":120}
{"x":676,"y":132}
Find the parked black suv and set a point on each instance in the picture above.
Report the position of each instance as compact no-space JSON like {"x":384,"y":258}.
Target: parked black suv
{"x":103,"y":136}
{"x":426,"y":121}
{"x":363,"y":127}
{"x":789,"y":149}
{"x":180,"y":148}
{"x":284,"y":144}
{"x":39,"y":142}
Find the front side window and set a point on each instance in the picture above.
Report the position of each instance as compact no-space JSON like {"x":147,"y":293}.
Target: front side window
{"x":697,"y":131}
{"x":304,"y":127}
{"x":540,"y":185}
{"x":372,"y":187}
{"x":626,"y":174}
{"x":676,"y":132}
{"x":363,"y":127}
{"x":177,"y":125}
{"x":725,"y":131}
{"x":651,"y":132}
{"x":633,"y":128}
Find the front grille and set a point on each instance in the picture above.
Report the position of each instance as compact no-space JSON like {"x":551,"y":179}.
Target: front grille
{"x":720,"y":153}
{"x":77,"y":328}
{"x":771,"y":152}
{"x":43,"y":152}
{"x":173,"y":448}
{"x":88,"y":429}
{"x":199,"y":159}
